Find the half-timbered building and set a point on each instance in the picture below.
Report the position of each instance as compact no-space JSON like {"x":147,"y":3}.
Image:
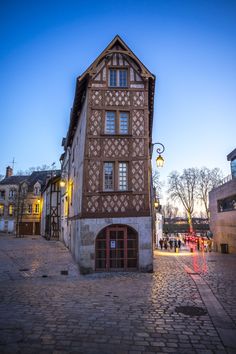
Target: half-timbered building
{"x":106,"y":164}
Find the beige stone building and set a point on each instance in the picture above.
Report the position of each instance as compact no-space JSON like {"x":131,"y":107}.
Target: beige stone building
{"x":20,"y":202}
{"x":106,"y":201}
{"x":222,"y":205}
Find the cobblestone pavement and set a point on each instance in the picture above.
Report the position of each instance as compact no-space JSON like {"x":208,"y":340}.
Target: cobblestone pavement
{"x":44,"y":311}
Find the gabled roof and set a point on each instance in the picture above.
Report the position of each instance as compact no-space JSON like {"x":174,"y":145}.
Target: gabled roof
{"x":13,"y":180}
{"x":117,"y":45}
{"x":36,"y":176}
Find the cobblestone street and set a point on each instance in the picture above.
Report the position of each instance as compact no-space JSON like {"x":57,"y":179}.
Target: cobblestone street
{"x":43,"y":310}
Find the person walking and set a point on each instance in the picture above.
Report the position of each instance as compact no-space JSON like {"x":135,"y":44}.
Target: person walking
{"x":161,"y":243}
{"x":179,"y":243}
{"x":165,"y":244}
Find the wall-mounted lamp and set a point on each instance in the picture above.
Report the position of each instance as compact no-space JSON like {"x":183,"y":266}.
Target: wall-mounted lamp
{"x":160,"y":150}
{"x":62,"y":183}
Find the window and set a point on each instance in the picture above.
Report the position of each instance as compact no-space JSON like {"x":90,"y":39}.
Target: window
{"x":36,"y":208}
{"x":123,"y":176}
{"x":113,"y":77}
{"x":10,"y":210}
{"x":36,"y":190}
{"x":124,"y":126}
{"x":123,"y":78}
{"x":11,"y":193}
{"x":110,"y":123}
{"x":24,"y":190}
{"x":108,"y":176}
{"x":115,"y":176}
{"x":233,"y":168}
{"x":2,"y":194}
{"x":227,"y":204}
{"x":1,"y":209}
{"x":118,"y":77}
{"x":116,"y":122}
{"x":29,"y":209}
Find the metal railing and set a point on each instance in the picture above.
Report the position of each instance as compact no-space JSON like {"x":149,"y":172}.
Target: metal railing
{"x":223,"y":181}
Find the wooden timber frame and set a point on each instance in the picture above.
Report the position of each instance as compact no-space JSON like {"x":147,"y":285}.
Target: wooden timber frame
{"x":133,"y":148}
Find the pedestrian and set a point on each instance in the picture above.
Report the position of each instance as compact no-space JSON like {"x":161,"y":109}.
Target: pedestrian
{"x":161,"y":243}
{"x":175,"y":245}
{"x":198,"y":244}
{"x":209,"y":244}
{"x":165,"y":244}
{"x":171,"y":244}
{"x":179,"y":243}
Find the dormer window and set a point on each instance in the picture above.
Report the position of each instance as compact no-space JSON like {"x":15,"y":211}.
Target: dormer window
{"x":24,"y":190}
{"x":118,"y":77}
{"x":36,"y":190}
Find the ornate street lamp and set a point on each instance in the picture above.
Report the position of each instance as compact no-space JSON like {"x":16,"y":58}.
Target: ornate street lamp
{"x":156,"y":203}
{"x":159,"y":150}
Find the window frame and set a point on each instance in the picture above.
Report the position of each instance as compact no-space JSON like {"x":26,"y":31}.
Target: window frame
{"x":117,"y":114}
{"x":120,"y":176}
{"x":118,"y":69}
{"x":10,"y":210}
{"x":37,"y":208}
{"x":113,"y":176}
{"x":116,"y":176}
{"x":29,"y":209}
{"x":2,"y":207}
{"x":105,"y":125}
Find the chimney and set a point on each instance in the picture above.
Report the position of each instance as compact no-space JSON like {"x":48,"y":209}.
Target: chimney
{"x":9,"y":171}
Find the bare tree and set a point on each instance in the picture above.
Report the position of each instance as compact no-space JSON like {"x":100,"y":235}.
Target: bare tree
{"x":33,"y":169}
{"x":208,"y":179}
{"x":169,"y":211}
{"x":183,"y":188}
{"x":157,"y":184}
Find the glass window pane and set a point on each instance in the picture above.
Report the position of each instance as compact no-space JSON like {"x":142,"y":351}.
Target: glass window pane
{"x":108,"y":176}
{"x":124,"y":122}
{"x":123,"y":176}
{"x":110,"y":123}
{"x":113,"y":81}
{"x":123,"y":78}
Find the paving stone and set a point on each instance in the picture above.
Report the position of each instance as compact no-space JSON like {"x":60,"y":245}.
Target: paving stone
{"x":111,"y":312}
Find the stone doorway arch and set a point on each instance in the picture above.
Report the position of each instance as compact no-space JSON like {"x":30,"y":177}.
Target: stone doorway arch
{"x":116,"y":249}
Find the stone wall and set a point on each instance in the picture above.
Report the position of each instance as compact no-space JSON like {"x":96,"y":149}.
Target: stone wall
{"x":223,"y":224}
{"x":85,"y":231}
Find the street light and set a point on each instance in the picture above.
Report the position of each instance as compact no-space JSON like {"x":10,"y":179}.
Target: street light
{"x":62,"y":183}
{"x":156,"y":203}
{"x":160,"y":150}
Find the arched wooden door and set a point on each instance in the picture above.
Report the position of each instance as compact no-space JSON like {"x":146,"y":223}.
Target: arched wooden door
{"x":117,"y":249}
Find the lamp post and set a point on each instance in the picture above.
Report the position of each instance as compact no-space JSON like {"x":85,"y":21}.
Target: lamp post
{"x":159,"y":160}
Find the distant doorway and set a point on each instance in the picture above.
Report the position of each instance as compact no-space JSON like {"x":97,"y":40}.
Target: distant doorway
{"x":117,"y":249}
{"x":25,"y":228}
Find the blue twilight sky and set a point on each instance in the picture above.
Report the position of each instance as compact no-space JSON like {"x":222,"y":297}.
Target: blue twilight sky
{"x":189,"y":45}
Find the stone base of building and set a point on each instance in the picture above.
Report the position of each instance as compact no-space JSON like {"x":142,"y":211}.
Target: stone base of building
{"x":84,"y":233}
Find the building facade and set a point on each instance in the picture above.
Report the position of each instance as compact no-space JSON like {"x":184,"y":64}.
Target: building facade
{"x":20,"y":202}
{"x":51,"y":208}
{"x":106,"y":202}
{"x":222,"y":205}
